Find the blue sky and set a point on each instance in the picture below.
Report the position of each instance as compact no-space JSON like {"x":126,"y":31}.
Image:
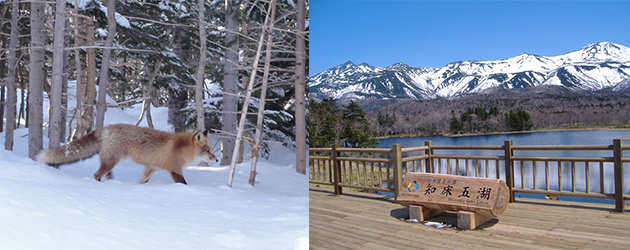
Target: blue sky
{"x":435,"y":33}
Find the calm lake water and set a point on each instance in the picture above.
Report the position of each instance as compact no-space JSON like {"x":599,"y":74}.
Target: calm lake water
{"x":574,"y":137}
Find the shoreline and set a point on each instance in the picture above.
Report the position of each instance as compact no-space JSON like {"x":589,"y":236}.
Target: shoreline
{"x":504,"y":133}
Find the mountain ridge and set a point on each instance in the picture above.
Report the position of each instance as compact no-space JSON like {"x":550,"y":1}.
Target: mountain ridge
{"x":594,"y":67}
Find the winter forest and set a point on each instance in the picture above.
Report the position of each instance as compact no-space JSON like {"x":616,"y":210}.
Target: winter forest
{"x":235,"y":67}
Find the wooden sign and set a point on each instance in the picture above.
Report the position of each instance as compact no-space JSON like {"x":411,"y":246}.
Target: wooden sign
{"x":487,"y":197}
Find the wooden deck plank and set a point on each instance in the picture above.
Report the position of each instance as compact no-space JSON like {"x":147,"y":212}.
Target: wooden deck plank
{"x":371,"y":221}
{"x":320,"y":241}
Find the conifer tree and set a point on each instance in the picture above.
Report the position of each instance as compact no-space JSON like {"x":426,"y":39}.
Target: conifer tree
{"x":155,"y":50}
{"x":519,"y":120}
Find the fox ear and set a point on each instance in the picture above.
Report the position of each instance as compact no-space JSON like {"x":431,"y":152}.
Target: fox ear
{"x":205,"y":132}
{"x":197,"y":136}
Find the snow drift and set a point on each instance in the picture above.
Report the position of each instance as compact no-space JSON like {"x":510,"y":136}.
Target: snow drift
{"x":45,"y":208}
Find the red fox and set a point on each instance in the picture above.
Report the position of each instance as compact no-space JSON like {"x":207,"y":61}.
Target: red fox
{"x":153,"y":148}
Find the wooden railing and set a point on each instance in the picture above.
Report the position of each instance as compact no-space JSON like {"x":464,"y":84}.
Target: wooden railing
{"x":382,"y":169}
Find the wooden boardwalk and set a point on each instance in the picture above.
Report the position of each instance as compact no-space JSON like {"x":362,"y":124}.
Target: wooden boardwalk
{"x":370,"y":221}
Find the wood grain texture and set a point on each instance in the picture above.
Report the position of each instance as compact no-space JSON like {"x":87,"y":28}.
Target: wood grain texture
{"x":487,"y":197}
{"x":371,"y":221}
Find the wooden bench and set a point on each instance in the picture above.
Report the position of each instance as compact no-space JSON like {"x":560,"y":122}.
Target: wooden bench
{"x":477,"y":200}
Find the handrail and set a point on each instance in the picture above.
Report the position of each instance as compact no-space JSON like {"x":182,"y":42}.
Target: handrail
{"x":366,"y":150}
{"x":363,"y":159}
{"x":559,"y":158}
{"x":466,"y":147}
{"x":563,"y":147}
{"x":319,"y":157}
{"x":320,"y":149}
{"x":473,"y":157}
{"x":413,"y":149}
{"x":415,"y":158}
{"x":372,"y":172}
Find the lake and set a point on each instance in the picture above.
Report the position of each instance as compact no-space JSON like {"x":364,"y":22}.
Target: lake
{"x":571,"y":137}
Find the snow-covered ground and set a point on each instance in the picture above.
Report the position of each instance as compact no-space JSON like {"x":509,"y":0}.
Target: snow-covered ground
{"x":46,"y":208}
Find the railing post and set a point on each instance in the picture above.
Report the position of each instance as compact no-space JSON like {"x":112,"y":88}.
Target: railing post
{"x":618,"y":155}
{"x":397,"y":162}
{"x":509,"y":170}
{"x":336,"y":169}
{"x":429,"y":153}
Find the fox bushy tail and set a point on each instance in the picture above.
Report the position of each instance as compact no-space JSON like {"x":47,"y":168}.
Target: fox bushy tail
{"x":82,"y":148}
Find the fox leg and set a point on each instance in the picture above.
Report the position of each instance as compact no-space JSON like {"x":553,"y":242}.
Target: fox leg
{"x":178,"y":178}
{"x":107,"y":164}
{"x":148,"y":172}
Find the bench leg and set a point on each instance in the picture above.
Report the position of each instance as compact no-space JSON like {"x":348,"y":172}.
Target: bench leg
{"x":422,"y":213}
{"x":470,"y":220}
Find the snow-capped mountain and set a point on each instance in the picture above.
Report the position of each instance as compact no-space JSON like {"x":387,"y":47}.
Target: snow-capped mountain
{"x":600,"y":66}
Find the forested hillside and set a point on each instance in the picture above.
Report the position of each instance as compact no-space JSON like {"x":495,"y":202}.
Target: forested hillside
{"x":331,"y":122}
{"x":545,"y":107}
{"x":202,"y":59}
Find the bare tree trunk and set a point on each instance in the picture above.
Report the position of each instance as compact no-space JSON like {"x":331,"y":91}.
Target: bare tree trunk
{"x":28,"y":96}
{"x":148,"y":115}
{"x":201,"y":67}
{"x":263,"y":95}
{"x":230,"y":88}
{"x":54,"y":129}
{"x":80,"y":107}
{"x":3,"y":66}
{"x":155,"y":95}
{"x":21,"y":114}
{"x":2,"y":104}
{"x":147,"y":94}
{"x":11,"y":89}
{"x":103,"y":78}
{"x":144,"y":108}
{"x":150,"y":92}
{"x":250,"y":87}
{"x":90,"y":88}
{"x":78,"y":110}
{"x":300,"y":87}
{"x":241,"y":149}
{"x":244,"y":82}
{"x":36,"y":79}
{"x":64,"y":84}
{"x":80,"y":94}
{"x":199,"y":79}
